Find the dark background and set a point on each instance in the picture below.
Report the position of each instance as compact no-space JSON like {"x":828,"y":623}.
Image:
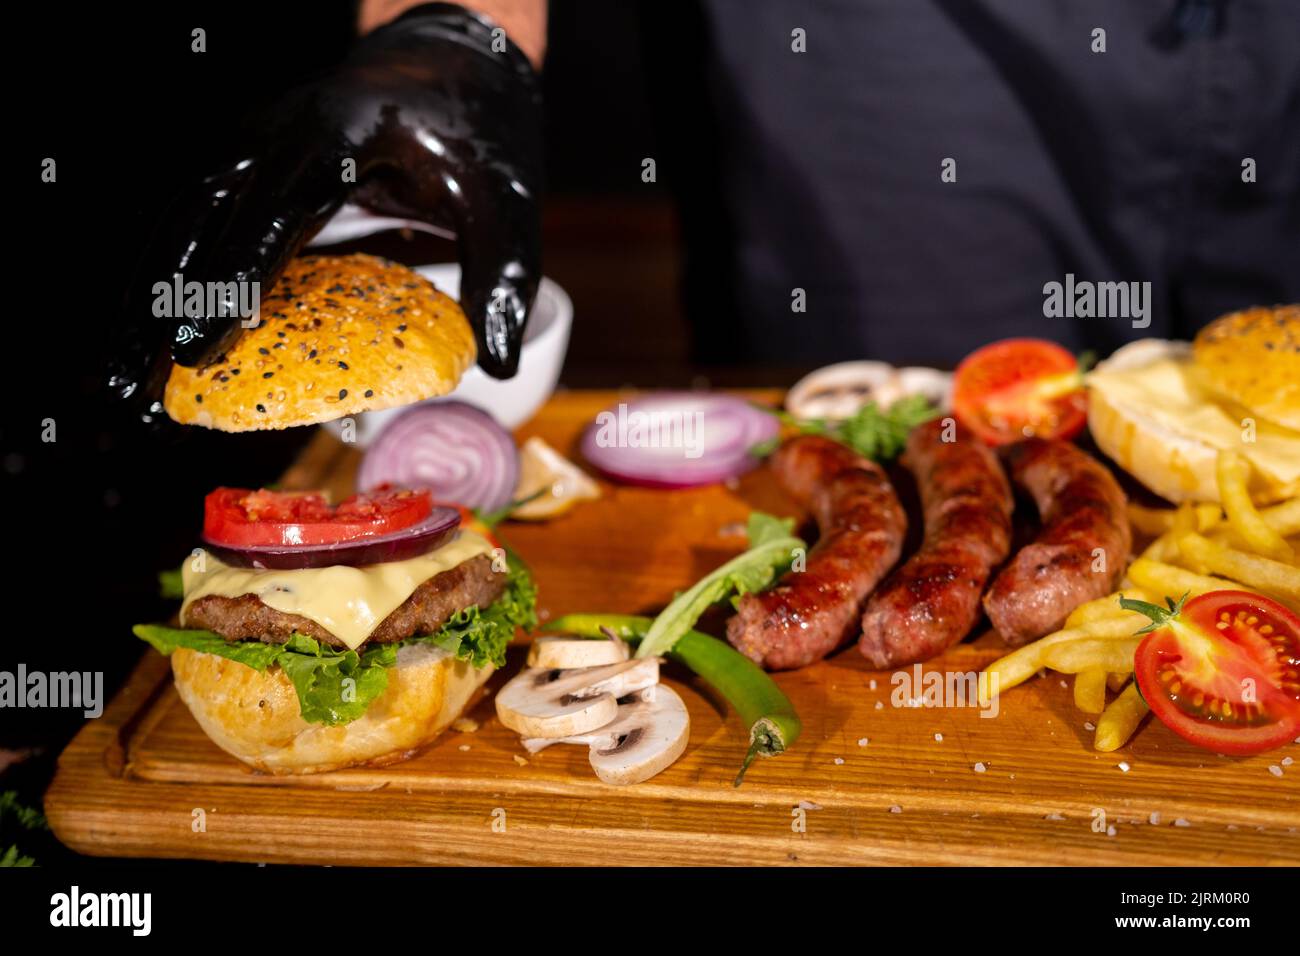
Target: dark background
{"x":129,"y":113}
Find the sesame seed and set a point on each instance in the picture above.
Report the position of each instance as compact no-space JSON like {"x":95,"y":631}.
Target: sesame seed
{"x":369,"y":392}
{"x":343,"y":393}
{"x":261,"y":408}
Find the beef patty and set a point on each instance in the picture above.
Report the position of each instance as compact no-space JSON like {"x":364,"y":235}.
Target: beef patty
{"x":427,"y":609}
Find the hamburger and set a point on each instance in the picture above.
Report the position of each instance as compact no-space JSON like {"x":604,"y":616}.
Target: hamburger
{"x":1163,"y":410}
{"x":314,"y":636}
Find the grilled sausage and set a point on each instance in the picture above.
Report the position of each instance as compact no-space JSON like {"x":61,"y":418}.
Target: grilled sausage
{"x":933,"y":600}
{"x":1079,"y":555}
{"x":810,"y":613}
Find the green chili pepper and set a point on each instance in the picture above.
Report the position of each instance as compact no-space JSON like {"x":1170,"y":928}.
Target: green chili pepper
{"x":773,"y":724}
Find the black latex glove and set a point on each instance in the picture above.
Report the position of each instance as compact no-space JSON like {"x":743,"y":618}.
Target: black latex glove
{"x":443,"y":129}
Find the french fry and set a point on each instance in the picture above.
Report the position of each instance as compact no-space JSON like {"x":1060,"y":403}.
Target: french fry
{"x":1156,"y":521}
{"x":1024,"y":662}
{"x":1283,"y":518}
{"x":1253,"y":570}
{"x":1118,"y":721}
{"x":1117,"y":680}
{"x":1102,"y":608}
{"x":1090,"y":690}
{"x":1163,"y":548}
{"x":1072,"y":657}
{"x":1168,"y":580}
{"x":1233,"y":474}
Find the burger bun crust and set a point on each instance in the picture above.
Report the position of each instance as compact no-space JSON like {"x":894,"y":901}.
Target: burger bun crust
{"x":254,"y":716}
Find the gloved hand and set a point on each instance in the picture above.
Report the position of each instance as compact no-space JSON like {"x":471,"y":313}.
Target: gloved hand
{"x":442,"y":128}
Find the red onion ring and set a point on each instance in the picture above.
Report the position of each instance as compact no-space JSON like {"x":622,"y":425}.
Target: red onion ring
{"x":411,"y":542}
{"x":677,"y":439}
{"x":456,"y":450}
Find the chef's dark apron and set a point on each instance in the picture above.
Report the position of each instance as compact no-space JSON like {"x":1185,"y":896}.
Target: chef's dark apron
{"x":1124,"y":165}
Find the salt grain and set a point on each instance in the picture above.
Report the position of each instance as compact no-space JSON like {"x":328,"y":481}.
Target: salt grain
{"x":1123,"y":765}
{"x":1180,"y":822}
{"x":938,"y":738}
{"x":1154,"y":819}
{"x":872,"y":685}
{"x":1287,"y":761}
{"x":839,"y":761}
{"x":1110,"y":830}
{"x":1275,"y":770}
{"x":879,"y":706}
{"x":979,"y":768}
{"x":463,"y":747}
{"x":1053,"y":816}
{"x":895,"y":809}
{"x":1089,"y":725}
{"x":862,"y":741}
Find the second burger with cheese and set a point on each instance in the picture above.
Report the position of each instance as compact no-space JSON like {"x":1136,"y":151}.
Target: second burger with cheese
{"x":1163,"y":410}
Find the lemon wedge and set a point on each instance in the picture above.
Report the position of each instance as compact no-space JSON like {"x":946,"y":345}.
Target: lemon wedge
{"x":564,"y":484}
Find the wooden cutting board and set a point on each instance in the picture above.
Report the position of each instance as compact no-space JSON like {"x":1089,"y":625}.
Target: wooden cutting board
{"x":868,"y":782}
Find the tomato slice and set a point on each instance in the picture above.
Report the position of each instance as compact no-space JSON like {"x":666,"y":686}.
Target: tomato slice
{"x":1020,"y":388}
{"x":241,"y":517}
{"x":1224,"y":672}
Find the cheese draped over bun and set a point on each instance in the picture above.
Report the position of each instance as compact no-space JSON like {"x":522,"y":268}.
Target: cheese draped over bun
{"x":337,"y":335}
{"x":254,"y":715}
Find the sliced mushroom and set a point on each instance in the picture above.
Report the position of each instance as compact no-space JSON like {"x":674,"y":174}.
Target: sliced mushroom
{"x":570,"y":652}
{"x":541,"y":702}
{"x":837,"y":391}
{"x":627,"y":707}
{"x":646,"y":737}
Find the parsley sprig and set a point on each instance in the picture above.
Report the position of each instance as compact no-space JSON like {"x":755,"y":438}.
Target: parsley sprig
{"x":873,"y":432}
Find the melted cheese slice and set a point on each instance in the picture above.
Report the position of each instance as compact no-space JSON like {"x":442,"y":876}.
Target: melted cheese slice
{"x":349,"y":602}
{"x":1166,"y":392}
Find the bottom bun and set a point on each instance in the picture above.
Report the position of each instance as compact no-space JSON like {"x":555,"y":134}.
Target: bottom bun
{"x":253,"y":715}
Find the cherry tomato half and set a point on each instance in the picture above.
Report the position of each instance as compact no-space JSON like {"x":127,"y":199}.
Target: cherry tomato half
{"x":1225,"y":672}
{"x":1020,"y":388}
{"x":242,"y":518}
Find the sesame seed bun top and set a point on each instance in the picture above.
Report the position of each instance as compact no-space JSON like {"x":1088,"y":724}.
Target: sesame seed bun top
{"x":1252,"y":358}
{"x":337,"y":335}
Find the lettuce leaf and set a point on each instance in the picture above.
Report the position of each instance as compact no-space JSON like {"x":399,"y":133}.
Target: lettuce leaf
{"x":337,"y":685}
{"x":772,"y":548}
